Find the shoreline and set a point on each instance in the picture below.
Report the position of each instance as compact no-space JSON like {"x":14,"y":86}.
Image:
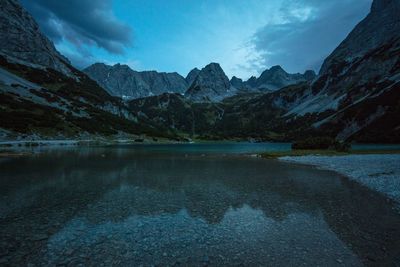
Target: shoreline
{"x":84,"y":142}
{"x":378,"y":172}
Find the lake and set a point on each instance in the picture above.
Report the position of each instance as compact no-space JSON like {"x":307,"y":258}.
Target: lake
{"x":193,"y":205}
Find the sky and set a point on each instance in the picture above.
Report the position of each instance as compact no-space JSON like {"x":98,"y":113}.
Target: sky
{"x":244,"y":36}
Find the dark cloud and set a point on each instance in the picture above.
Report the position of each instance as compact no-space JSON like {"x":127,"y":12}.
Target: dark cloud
{"x":81,"y":22}
{"x":299,"y":44}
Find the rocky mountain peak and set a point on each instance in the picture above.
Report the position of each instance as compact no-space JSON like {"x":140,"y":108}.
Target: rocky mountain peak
{"x":309,"y":75}
{"x":252,"y":82}
{"x":234,"y":78}
{"x":236,"y":82}
{"x":211,"y":84}
{"x":213,"y":67}
{"x":100,"y":66}
{"x":121,"y":66}
{"x":16,"y":27}
{"x":276,"y":69}
{"x":192,"y":76}
{"x":276,"y":78}
{"x":120,"y":80}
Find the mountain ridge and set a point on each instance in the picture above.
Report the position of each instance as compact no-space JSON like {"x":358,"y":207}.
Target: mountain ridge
{"x":210,"y":84}
{"x":276,"y":78}
{"x":121,"y":80}
{"x":19,"y":26}
{"x":354,"y":97}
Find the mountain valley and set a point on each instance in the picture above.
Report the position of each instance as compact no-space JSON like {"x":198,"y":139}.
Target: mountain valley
{"x":355,"y":96}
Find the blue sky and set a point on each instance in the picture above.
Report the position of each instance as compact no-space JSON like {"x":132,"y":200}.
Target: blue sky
{"x":245,"y":37}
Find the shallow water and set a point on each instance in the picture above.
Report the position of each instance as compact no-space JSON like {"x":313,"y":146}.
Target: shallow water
{"x":134,"y":205}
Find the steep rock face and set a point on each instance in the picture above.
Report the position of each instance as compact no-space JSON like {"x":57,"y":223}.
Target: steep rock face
{"x":379,"y":27}
{"x":192,"y":75}
{"x":237,"y":82}
{"x":162,"y":82}
{"x":357,"y":78}
{"x":121,"y":80}
{"x":252,"y":82}
{"x":21,"y":40}
{"x":211,"y":84}
{"x":367,"y":55}
{"x":309,"y":75}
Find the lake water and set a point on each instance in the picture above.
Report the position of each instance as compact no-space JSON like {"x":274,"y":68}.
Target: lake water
{"x":190,"y":206}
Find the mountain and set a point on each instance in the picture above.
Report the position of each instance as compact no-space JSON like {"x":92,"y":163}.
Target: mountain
{"x":355,"y":96}
{"x":121,"y":80}
{"x":211,"y":84}
{"x":309,"y":75}
{"x":237,"y":83}
{"x":272,"y":79}
{"x":360,"y":79}
{"x":43,"y":96}
{"x":378,"y":28}
{"x":21,"y":40}
{"x":192,"y":76}
{"x":276,"y":78}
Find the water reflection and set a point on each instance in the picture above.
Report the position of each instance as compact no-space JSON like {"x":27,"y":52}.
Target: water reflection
{"x":124,"y":206}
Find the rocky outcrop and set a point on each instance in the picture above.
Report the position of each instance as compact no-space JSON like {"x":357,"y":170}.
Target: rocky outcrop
{"x":271,"y":80}
{"x":21,"y":40}
{"x":192,"y":76}
{"x":211,"y":84}
{"x":237,"y":83}
{"x":309,"y":75}
{"x":276,"y":78}
{"x":121,"y":80}
{"x":367,"y":55}
{"x":380,"y":27}
{"x":162,"y":82}
{"x":359,"y":81}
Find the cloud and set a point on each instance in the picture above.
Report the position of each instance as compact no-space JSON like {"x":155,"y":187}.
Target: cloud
{"x":307,"y":32}
{"x":83,"y":23}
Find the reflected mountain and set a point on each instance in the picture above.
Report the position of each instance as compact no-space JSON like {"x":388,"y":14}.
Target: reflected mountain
{"x":54,"y":197}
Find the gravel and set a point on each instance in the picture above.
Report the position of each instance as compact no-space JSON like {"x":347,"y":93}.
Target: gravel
{"x":378,"y":172}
